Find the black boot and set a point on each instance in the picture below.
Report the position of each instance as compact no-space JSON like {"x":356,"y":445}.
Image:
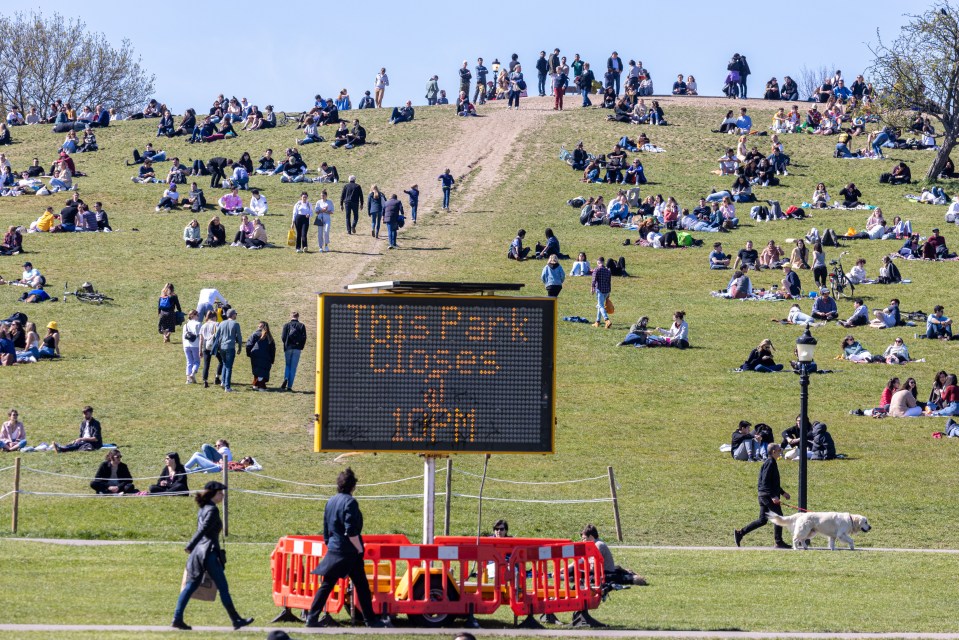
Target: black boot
{"x":239,"y":623}
{"x":179,"y":624}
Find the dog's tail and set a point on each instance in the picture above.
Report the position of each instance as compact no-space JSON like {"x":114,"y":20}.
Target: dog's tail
{"x":778,"y":520}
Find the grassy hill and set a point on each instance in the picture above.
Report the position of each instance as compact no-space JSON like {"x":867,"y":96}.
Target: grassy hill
{"x":658,"y":416}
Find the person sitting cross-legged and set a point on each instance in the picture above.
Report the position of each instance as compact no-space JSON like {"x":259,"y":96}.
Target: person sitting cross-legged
{"x":824,"y":308}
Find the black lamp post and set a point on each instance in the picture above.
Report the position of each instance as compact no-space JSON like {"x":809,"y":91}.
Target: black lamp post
{"x":805,"y":350}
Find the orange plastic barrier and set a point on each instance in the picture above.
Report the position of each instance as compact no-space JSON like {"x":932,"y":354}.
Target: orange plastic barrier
{"x":453,"y":577}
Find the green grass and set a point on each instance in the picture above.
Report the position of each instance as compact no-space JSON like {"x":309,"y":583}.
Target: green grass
{"x":657,"y":416}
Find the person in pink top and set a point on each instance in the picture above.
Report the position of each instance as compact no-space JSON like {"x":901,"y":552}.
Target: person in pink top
{"x":12,"y":435}
{"x":231,"y":203}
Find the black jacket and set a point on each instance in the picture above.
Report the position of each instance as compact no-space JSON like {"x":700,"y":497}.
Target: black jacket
{"x":352,"y":194}
{"x":93,"y":431}
{"x":392,"y":210}
{"x":178,"y":485}
{"x":737,"y":439}
{"x":542,"y":65}
{"x":205,"y":541}
{"x":103,"y":472}
{"x":294,"y":335}
{"x":769,"y":484}
{"x":823,"y":446}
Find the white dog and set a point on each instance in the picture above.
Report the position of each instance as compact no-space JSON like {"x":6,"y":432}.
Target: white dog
{"x":803,"y":526}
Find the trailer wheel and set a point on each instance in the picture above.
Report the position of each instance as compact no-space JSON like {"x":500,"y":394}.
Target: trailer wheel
{"x":436,"y":595}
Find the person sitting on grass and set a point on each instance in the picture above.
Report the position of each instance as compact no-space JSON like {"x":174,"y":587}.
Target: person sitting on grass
{"x":935,"y":247}
{"x":938,"y":325}
{"x":613,"y":572}
{"x":948,"y":399}
{"x":896,"y":353}
{"x":146,"y":174}
{"x":551,"y":248}
{"x":638,"y":334}
{"x":113,"y":477}
{"x":677,"y":335}
{"x":854,"y":351}
{"x":169,"y":200}
{"x":215,"y":233}
{"x":718,"y":259}
{"x":231,"y":203}
{"x":824,"y":308}
{"x":90,"y":439}
{"x":761,"y":359}
{"x":739,"y":286}
{"x":36,"y":295}
{"x":581,"y":267}
{"x":743,"y":443}
{"x":887,"y":318}
{"x":310,"y":134}
{"x":13,"y":437}
{"x":859,"y":317}
{"x":402,"y":114}
{"x":791,"y":286}
{"x":173,"y":476}
{"x":149,"y":153}
{"x":771,"y":257}
{"x":516,"y":249}
{"x":850,"y":195}
{"x":889,"y":272}
{"x":226,"y":130}
{"x":903,"y":404}
{"x":195,"y":200}
{"x":191,"y":234}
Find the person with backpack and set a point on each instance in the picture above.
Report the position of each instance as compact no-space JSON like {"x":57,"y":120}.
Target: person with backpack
{"x":168,"y":309}
{"x":294,"y":340}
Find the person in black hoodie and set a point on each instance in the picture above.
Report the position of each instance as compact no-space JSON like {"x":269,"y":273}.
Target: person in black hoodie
{"x":823,"y":446}
{"x":172,"y":477}
{"x":113,"y":477}
{"x":770,"y":490}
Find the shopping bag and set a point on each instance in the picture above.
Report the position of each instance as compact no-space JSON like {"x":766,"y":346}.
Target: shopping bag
{"x":291,"y":238}
{"x":206,"y":591}
{"x":609,"y":306}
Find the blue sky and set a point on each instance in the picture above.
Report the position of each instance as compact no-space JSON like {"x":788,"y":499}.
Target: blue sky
{"x":285,"y":53}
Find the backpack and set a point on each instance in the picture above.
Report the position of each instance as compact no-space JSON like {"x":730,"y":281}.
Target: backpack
{"x":165,"y":303}
{"x":684,"y":239}
{"x":829,"y":238}
{"x":884,"y":178}
{"x":521,"y":84}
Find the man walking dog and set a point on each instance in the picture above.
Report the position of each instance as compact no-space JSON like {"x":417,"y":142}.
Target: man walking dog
{"x":770,"y":490}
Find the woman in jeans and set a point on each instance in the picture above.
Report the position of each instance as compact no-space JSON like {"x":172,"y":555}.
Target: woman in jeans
{"x":210,"y":459}
{"x":191,"y":347}
{"x":207,"y":331}
{"x":207,"y":558}
{"x":515,"y":78}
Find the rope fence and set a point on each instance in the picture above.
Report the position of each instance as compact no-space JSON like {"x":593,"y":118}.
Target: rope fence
{"x":17,"y":491}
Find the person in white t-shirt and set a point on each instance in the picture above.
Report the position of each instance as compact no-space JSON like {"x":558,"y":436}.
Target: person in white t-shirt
{"x":191,"y":345}
{"x":379,"y":87}
{"x":208,"y":298}
{"x":324,"y":211}
{"x":257,"y":204}
{"x":31,"y":275}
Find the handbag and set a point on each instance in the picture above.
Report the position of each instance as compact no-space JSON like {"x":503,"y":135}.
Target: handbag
{"x":608,"y":305}
{"x":291,"y":238}
{"x":205,"y":592}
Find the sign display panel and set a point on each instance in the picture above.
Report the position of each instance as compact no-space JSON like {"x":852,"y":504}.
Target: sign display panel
{"x":435,"y":373}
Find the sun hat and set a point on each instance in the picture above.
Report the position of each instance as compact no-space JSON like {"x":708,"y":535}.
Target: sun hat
{"x":53,"y":325}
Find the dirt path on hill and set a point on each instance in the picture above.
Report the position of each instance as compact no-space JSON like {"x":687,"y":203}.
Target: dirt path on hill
{"x":477,"y":158}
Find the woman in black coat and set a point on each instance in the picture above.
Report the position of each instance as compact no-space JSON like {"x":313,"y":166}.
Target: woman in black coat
{"x":215,"y":233}
{"x":172,"y":478}
{"x":261,"y":349}
{"x":206,"y":557}
{"x":168,"y":306}
{"x":113,"y":477}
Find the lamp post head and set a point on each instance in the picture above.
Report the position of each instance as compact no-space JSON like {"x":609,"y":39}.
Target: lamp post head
{"x":806,"y":347}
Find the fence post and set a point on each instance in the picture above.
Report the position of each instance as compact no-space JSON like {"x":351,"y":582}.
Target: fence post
{"x":15,"y":517}
{"x":226,"y":498}
{"x":449,"y":497}
{"x":612,"y":491}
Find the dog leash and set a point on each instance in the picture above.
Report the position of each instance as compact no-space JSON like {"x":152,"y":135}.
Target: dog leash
{"x":794,"y":507}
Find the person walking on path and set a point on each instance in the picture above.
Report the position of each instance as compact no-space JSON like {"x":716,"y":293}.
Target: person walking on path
{"x":228,"y":340}
{"x":414,"y":194}
{"x":380,"y":84}
{"x":553,"y":277}
{"x":351,"y":202}
{"x":207,"y":558}
{"x":294,"y":340}
{"x":392,"y":214}
{"x":302,"y":214}
{"x":447,"y":180}
{"x":323,"y":209}
{"x":601,"y":287}
{"x":770,"y":490}
{"x":343,"y":535}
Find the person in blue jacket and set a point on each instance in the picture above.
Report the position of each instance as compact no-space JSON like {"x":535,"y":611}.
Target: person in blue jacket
{"x":414,"y":194}
{"x":447,"y":182}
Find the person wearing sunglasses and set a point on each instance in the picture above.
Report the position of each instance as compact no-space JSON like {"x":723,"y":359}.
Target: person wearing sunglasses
{"x":113,"y":477}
